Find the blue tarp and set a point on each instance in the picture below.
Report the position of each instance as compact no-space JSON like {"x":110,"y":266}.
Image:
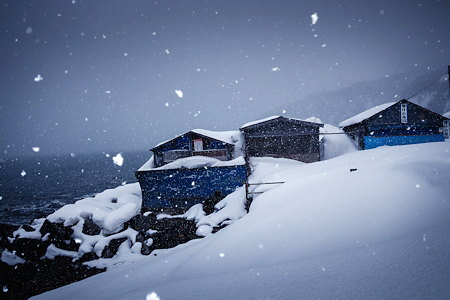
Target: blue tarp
{"x":185,"y":187}
{"x":373,"y":142}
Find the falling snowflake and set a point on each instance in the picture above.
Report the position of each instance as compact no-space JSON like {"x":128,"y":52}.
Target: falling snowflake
{"x":167,"y":51}
{"x":118,"y":159}
{"x":275,"y":69}
{"x":314,"y":18}
{"x":29,"y":30}
{"x":23,"y":173}
{"x":36,"y":149}
{"x":221,"y":255}
{"x":38,"y":78}
{"x":152,"y":296}
{"x":179,"y":93}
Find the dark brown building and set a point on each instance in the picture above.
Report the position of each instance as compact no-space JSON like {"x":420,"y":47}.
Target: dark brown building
{"x":283,"y":138}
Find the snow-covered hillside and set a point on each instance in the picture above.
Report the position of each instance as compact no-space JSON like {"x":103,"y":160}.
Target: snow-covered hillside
{"x":346,"y":102}
{"x":381,"y":231}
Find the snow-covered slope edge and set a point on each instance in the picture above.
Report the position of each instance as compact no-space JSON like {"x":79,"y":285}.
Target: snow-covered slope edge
{"x":381,"y":231}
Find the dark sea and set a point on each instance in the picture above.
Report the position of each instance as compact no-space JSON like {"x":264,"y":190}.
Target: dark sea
{"x":34,"y":187}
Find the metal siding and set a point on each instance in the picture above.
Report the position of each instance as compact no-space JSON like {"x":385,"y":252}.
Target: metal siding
{"x":403,"y":129}
{"x":166,"y":188}
{"x":284,"y":138}
{"x":373,"y":142}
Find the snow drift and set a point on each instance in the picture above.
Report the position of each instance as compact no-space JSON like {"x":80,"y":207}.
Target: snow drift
{"x":378,"y":231}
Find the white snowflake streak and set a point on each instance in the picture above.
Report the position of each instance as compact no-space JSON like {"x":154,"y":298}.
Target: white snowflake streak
{"x":38,"y":78}
{"x":118,"y":159}
{"x":314,"y":18}
{"x":23,"y":173}
{"x":36,"y":149}
{"x":179,"y":93}
{"x":152,"y":296}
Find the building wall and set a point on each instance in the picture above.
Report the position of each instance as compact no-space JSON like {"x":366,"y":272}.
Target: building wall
{"x":186,"y":187}
{"x":301,"y":147}
{"x":283,"y":139}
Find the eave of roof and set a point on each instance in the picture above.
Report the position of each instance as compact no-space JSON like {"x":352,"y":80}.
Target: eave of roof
{"x":223,"y":136}
{"x":273,"y":118}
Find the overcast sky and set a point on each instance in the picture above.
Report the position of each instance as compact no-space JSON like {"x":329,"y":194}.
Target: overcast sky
{"x":92,"y":76}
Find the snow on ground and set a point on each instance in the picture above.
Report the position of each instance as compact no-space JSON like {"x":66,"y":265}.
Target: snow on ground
{"x":381,"y":231}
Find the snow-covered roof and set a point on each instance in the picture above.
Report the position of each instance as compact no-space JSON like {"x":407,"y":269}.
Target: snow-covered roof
{"x":229,"y":137}
{"x":273,"y":118}
{"x":259,"y":121}
{"x":365,"y":114}
{"x":193,"y":162}
{"x":447,"y":115}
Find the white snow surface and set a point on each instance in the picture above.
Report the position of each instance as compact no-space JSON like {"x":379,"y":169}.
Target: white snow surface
{"x":380,"y":232}
{"x":11,"y":258}
{"x":108,"y":209}
{"x":335,"y":142}
{"x":195,"y":162}
{"x":365,"y":114}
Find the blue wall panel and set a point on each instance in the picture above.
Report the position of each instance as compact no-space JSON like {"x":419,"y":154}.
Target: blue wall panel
{"x":166,"y":188}
{"x":373,"y":142}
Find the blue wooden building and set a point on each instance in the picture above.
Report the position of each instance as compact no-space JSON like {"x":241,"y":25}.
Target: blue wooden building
{"x":199,"y":166}
{"x":396,"y":123}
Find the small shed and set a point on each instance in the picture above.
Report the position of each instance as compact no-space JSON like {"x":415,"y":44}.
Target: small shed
{"x":197,"y":142}
{"x":396,"y":123}
{"x":282,"y":137}
{"x":199,"y":166}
